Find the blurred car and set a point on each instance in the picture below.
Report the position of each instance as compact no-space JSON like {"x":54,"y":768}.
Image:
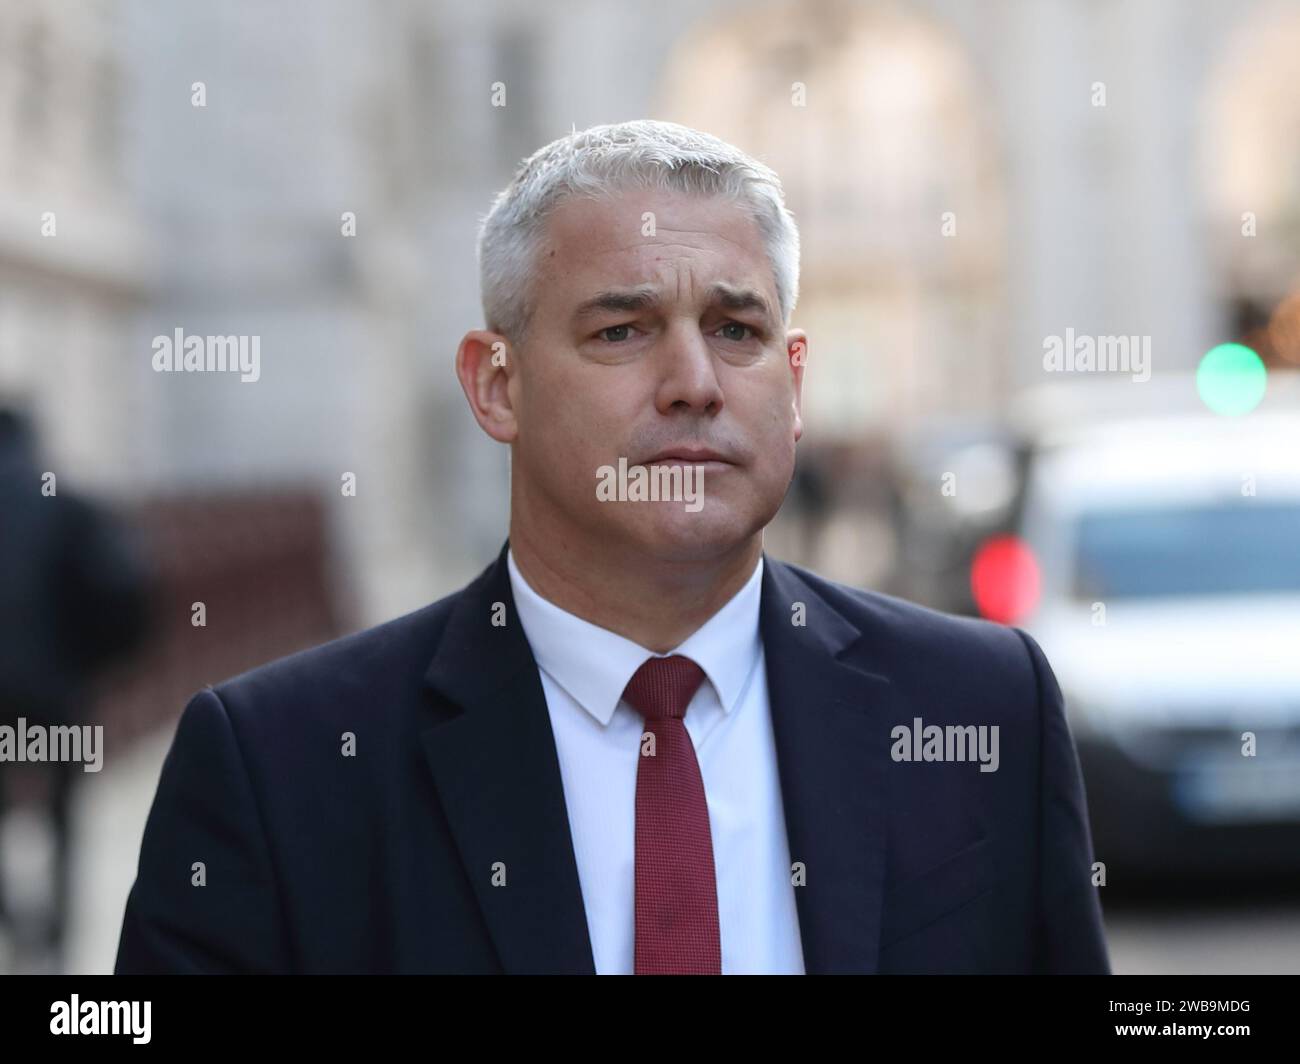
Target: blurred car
{"x":1168,"y":562}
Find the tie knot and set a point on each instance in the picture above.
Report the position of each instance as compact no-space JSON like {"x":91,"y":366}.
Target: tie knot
{"x":663,"y":687}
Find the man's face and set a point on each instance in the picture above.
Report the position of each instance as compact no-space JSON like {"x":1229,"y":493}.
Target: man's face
{"x":663,"y":349}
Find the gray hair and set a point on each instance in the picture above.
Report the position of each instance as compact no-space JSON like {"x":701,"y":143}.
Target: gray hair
{"x":601,"y":161}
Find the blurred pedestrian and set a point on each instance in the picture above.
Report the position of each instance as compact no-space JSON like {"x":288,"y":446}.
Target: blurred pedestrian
{"x":73,"y":600}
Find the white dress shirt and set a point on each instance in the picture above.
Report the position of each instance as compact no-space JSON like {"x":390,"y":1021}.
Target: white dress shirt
{"x":584,"y":670}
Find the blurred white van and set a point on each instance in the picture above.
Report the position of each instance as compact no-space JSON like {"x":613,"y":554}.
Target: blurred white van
{"x":1169,"y":608}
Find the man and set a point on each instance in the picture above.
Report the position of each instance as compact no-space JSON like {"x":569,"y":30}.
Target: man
{"x":634,"y":743}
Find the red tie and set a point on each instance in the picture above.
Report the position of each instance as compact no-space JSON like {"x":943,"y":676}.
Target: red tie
{"x":676,"y":891}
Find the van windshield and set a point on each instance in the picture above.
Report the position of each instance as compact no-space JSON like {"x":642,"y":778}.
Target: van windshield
{"x":1202,"y":549}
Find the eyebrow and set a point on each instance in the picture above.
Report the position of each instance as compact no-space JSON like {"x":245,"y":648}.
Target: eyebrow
{"x":740,"y":299}
{"x":644,"y":297}
{"x":624,"y":299}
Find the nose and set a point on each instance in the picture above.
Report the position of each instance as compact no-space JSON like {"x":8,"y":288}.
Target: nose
{"x":688,"y":380}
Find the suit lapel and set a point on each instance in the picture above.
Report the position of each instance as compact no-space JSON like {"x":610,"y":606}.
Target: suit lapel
{"x":498,"y":776}
{"x":497,"y":773}
{"x":831,"y":721}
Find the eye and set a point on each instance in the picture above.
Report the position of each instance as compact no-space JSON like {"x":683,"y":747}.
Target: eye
{"x":622,"y":331}
{"x":738,"y":325}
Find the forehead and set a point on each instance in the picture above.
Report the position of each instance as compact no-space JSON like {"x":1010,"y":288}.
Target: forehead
{"x":644,"y":236}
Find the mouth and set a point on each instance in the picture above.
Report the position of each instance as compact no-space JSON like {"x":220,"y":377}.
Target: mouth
{"x":689,"y":456}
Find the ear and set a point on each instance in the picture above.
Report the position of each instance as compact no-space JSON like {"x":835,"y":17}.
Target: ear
{"x":485,"y":366}
{"x":796,"y":348}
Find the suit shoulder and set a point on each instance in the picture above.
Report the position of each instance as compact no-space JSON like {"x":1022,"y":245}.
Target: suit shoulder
{"x":394,"y":652}
{"x":903,"y":628}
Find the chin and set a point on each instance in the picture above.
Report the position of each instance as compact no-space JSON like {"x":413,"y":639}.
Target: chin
{"x":674,"y":534}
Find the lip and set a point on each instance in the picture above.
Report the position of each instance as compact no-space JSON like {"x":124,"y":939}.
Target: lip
{"x":689,"y":456}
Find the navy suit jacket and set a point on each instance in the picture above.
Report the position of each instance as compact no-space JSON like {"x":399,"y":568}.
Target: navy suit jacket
{"x":384,"y":861}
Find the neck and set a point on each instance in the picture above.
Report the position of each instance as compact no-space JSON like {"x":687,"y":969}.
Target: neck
{"x":655,"y":604}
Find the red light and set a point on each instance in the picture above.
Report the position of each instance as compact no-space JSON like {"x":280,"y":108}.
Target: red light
{"x":1004,"y":579}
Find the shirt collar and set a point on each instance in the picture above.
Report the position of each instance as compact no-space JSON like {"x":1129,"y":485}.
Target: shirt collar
{"x":594,"y":664}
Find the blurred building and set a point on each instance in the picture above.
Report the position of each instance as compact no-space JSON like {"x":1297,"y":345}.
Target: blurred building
{"x":969,"y":178}
{"x":75,"y":264}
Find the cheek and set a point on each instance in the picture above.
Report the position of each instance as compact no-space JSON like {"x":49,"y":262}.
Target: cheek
{"x":777,"y":446}
{"x":576,"y":425}
{"x":772,"y":416}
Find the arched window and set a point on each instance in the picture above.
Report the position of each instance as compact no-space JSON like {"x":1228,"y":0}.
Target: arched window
{"x":1250,"y":163}
{"x":870,"y":115}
